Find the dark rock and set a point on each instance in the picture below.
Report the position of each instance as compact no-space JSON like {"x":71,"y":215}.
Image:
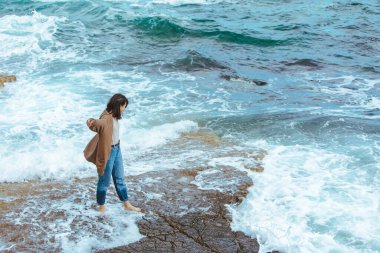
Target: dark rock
{"x":186,"y":218}
{"x":195,"y":61}
{"x":234,"y":77}
{"x":304,"y":63}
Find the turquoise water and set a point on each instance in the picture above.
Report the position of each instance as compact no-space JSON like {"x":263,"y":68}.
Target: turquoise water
{"x":298,"y":79}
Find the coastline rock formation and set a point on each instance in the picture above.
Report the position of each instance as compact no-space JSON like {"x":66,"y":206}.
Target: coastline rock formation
{"x":186,"y":214}
{"x":184,"y":211}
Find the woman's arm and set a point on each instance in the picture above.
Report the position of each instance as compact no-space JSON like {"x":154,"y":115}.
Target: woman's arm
{"x":95,"y":125}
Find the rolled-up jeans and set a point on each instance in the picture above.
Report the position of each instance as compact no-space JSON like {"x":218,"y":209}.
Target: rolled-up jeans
{"x":115,"y":168}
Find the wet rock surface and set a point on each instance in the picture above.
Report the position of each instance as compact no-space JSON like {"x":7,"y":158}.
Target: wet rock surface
{"x":235,"y":77}
{"x":182,"y":216}
{"x":6,"y":78}
{"x":184,"y":210}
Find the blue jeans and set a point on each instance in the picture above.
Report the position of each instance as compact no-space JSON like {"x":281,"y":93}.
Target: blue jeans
{"x":115,"y":168}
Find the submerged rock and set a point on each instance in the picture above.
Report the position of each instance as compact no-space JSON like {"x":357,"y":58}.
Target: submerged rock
{"x":195,"y":61}
{"x":304,"y":63}
{"x":181,"y":217}
{"x":204,"y":136}
{"x":235,"y":77}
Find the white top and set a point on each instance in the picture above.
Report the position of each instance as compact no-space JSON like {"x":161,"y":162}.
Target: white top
{"x":115,"y":133}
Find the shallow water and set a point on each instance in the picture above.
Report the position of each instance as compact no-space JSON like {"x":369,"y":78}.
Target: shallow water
{"x":59,"y":216}
{"x":205,"y":79}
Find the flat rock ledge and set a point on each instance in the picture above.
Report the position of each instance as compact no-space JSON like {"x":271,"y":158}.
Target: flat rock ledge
{"x":183,"y":213}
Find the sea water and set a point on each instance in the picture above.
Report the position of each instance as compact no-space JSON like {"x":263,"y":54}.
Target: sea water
{"x":189,"y":66}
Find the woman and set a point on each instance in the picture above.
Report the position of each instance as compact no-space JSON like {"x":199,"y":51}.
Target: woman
{"x":104,"y":151}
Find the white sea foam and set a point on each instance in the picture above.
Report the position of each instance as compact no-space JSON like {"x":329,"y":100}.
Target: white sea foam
{"x":65,"y":219}
{"x":357,"y":93}
{"x":123,"y":230}
{"x":140,"y":161}
{"x":311,"y":200}
{"x":41,"y":135}
{"x":128,"y":82}
{"x":158,"y":135}
{"x":61,"y":157}
{"x":215,"y":179}
{"x":45,"y":137}
{"x":45,"y":130}
{"x":150,"y":96}
{"x":29,"y":34}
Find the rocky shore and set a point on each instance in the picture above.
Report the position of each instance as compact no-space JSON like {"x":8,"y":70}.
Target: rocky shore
{"x":184,"y":211}
{"x":183,"y":217}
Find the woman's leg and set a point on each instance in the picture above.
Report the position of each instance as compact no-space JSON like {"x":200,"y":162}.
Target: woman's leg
{"x":118,"y":176}
{"x":118,"y":180}
{"x":104,"y":181}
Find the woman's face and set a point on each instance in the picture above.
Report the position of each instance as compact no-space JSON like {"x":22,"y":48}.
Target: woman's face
{"x":122,"y":107}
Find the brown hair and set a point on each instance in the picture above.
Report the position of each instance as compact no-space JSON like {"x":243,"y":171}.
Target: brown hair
{"x":114,"y":104}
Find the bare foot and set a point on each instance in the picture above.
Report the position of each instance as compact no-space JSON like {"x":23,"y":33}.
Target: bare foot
{"x":129,"y":206}
{"x":102,"y":209}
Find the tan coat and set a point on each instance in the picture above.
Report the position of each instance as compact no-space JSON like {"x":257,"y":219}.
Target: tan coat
{"x":98,"y":149}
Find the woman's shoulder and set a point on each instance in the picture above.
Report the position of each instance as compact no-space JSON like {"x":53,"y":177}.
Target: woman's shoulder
{"x":106,"y":115}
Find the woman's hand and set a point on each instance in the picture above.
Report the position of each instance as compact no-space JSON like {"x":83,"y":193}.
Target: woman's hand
{"x":90,"y":122}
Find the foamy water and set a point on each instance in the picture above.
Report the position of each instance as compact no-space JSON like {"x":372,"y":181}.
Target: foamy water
{"x":311,"y":200}
{"x":22,"y":35}
{"x":60,"y":216}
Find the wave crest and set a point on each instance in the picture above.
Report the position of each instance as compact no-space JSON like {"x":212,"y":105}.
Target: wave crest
{"x":22,"y":34}
{"x":162,"y":28}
